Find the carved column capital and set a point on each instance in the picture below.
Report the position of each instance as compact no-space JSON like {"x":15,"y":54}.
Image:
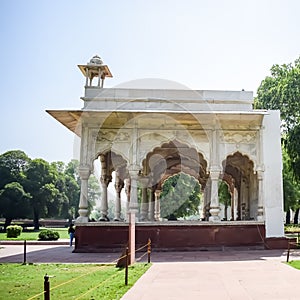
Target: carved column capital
{"x":84,"y":172}
{"x":134,"y":174}
{"x":215,"y":172}
{"x":144,"y":181}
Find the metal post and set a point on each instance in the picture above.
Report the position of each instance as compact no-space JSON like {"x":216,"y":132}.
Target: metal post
{"x":126,"y":266}
{"x":149,"y":250}
{"x":132,"y":237}
{"x":24,"y":259}
{"x":288,"y":253}
{"x":46,"y":288}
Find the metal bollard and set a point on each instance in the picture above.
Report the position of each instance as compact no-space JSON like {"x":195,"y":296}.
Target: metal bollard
{"x":24,"y":257}
{"x":288,"y":253}
{"x":126,"y":266}
{"x":46,"y":288}
{"x":149,"y":250}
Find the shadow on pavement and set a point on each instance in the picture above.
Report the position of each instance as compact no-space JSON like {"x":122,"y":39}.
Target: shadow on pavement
{"x":58,"y":254}
{"x":64,"y":254}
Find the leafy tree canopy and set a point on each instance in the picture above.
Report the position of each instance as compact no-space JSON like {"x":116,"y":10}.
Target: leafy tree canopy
{"x":291,"y":187}
{"x":180,"y":196}
{"x":12,"y":166}
{"x":14,"y":202}
{"x":40,"y":179}
{"x":281,"y":91}
{"x":224,"y":194}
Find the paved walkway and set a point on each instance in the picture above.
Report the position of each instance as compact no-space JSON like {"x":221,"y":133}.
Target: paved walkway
{"x":229,"y":274}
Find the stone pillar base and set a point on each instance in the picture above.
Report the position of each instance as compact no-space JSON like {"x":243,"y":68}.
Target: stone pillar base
{"x":260,"y":218}
{"x":214,"y":211}
{"x":104,"y":218}
{"x":214,"y":219}
{"x":82,"y":219}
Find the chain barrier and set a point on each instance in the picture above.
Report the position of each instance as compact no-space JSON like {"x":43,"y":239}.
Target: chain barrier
{"x":47,"y":288}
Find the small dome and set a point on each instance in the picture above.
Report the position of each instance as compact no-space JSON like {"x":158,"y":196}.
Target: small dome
{"x":95,"y":60}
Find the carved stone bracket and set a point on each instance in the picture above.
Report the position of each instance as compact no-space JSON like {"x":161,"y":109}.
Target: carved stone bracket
{"x":105,"y":179}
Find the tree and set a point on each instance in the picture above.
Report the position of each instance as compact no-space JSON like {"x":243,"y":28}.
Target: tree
{"x":40,"y":183}
{"x":93,"y":192}
{"x":224,"y":197}
{"x":72,"y":191}
{"x":14,"y":202}
{"x":73,"y":188}
{"x":281,"y":91}
{"x":13,"y":164}
{"x":180,"y":196}
{"x":69,"y":184}
{"x":291,"y":188}
{"x":72,"y":169}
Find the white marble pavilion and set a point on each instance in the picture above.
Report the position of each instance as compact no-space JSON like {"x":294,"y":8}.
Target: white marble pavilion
{"x":147,"y":135}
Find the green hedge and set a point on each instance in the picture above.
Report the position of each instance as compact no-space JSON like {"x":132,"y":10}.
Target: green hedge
{"x":13,"y":231}
{"x":48,"y":235}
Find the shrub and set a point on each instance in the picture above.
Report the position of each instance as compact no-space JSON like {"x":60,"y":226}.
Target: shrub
{"x":48,"y":235}
{"x":13,"y":231}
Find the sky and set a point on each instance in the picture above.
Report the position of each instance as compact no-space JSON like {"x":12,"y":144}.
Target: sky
{"x":201,"y":44}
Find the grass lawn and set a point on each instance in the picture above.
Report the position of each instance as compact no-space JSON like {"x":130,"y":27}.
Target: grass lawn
{"x":292,"y":228}
{"x":295,"y":264}
{"x":69,"y":281}
{"x":33,"y":235}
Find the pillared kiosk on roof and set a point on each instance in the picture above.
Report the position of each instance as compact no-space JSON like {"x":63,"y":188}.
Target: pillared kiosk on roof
{"x":147,"y":135}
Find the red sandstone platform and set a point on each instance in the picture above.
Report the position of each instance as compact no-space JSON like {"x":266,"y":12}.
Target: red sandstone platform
{"x":175,"y":236}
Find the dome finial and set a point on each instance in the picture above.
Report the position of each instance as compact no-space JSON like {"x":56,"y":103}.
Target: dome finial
{"x":95,"y":60}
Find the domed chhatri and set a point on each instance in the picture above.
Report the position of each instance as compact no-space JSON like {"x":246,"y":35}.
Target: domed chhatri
{"x":95,"y":60}
{"x":95,"y":68}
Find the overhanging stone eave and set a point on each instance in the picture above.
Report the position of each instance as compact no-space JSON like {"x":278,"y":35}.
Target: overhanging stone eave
{"x":72,"y":118}
{"x":68,"y":118}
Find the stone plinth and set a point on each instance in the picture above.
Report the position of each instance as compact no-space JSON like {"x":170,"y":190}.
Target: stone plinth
{"x":172,"y":236}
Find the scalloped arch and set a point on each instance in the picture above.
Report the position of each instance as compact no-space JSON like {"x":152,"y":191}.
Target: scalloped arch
{"x":242,"y":153}
{"x":168,"y":140}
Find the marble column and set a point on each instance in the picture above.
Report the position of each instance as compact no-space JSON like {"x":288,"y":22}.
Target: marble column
{"x":99,"y":77}
{"x":214,"y":176}
{"x":235,"y":204}
{"x":84,"y":173}
{"x":260,"y":207}
{"x":157,"y":205}
{"x":133,"y":210}
{"x":104,"y":180}
{"x":119,"y":184}
{"x":133,"y":204}
{"x":151,"y":205}
{"x":214,"y":200}
{"x":243,"y":200}
{"x":144,"y":204}
{"x":127,"y":192}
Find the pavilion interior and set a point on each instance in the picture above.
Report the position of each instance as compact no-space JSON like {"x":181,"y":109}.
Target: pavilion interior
{"x":173,"y":158}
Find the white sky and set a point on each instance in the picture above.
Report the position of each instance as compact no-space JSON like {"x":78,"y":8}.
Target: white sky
{"x":202,"y":44}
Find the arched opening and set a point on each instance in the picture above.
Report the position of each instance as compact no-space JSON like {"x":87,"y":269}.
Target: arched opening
{"x":168,"y":160}
{"x":238,"y":173}
{"x":112,"y":175}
